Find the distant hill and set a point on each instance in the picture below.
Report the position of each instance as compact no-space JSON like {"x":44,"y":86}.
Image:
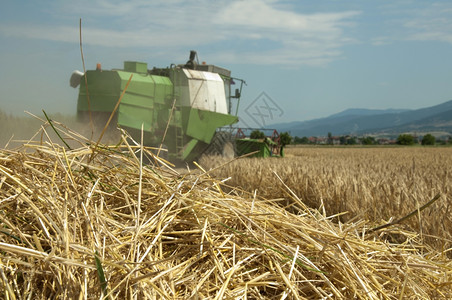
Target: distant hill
{"x":367,"y":112}
{"x":436,"y":118}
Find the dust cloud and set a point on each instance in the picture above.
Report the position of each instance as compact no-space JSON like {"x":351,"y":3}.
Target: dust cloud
{"x":18,"y":130}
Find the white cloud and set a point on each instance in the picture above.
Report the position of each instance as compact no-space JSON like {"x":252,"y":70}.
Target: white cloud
{"x":252,"y":31}
{"x":419,"y":21}
{"x":260,"y":14}
{"x":433,"y":23}
{"x":301,"y":39}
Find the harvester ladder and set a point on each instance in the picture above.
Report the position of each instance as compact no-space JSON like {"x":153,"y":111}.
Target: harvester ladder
{"x":179,"y":139}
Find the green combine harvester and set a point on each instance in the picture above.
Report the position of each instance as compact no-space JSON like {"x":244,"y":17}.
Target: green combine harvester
{"x":188,"y":108}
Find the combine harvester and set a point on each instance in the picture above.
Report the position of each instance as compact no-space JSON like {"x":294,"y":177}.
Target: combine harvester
{"x":188,"y":108}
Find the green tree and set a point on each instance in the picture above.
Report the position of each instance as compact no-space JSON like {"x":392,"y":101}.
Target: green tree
{"x":405,"y":139}
{"x":351,"y":141}
{"x":284,"y":139}
{"x":368,"y":140}
{"x":347,"y":140}
{"x":300,"y":140}
{"x":428,"y":139}
{"x":257,"y":134}
{"x":304,"y":140}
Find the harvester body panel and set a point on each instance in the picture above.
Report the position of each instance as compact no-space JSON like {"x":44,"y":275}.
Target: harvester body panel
{"x":202,"y":124}
{"x":104,"y":89}
{"x":259,"y":147}
{"x":146,"y":101}
{"x":203,"y":91}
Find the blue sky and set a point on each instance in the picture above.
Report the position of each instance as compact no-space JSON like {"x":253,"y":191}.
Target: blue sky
{"x":309,"y":58}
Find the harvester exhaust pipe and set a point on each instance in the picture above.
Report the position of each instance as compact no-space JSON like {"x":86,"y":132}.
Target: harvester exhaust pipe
{"x":191,"y":63}
{"x":76,"y":76}
{"x":192,"y":55}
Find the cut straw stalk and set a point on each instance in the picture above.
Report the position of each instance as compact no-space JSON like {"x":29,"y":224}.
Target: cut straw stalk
{"x":40,"y":255}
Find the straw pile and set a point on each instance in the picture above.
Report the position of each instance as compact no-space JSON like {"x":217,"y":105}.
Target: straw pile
{"x":91,"y":222}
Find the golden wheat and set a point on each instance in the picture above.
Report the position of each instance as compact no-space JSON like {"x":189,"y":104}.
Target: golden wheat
{"x":376,"y":184}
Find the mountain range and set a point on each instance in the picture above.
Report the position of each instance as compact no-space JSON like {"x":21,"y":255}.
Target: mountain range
{"x":436,"y":120}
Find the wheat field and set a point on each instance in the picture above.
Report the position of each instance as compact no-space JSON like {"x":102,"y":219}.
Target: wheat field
{"x":377,"y":184}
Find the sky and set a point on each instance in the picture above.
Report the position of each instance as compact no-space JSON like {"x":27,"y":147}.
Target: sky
{"x":301,"y":60}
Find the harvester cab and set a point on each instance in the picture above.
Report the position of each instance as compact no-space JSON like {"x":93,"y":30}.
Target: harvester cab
{"x":183,"y":107}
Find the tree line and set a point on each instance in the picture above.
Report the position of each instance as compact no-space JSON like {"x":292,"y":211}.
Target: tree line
{"x":402,"y":139}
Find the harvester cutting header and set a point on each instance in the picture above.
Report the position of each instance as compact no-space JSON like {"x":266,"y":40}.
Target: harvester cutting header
{"x":186,"y":107}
